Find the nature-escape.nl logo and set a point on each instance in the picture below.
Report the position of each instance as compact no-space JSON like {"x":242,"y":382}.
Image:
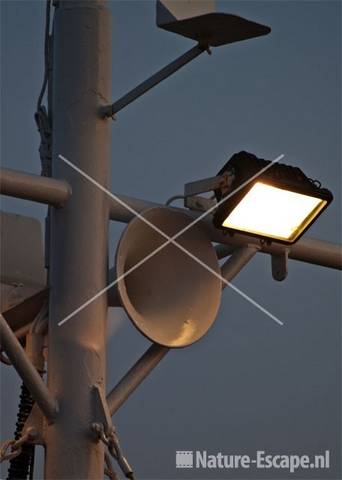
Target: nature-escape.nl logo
{"x":201,"y":459}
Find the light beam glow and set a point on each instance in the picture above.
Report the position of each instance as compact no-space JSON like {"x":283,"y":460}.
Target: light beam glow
{"x":274,"y":212}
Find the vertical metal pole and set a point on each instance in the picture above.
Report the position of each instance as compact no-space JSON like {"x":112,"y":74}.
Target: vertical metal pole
{"x":78,"y":254}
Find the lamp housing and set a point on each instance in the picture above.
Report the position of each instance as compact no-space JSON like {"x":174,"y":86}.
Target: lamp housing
{"x":278,"y":205}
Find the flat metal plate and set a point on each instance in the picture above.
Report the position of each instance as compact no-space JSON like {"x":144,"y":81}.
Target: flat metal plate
{"x":22,"y":253}
{"x":23,"y":276}
{"x":215,"y":29}
{"x":25,"y":311}
{"x":171,"y":10}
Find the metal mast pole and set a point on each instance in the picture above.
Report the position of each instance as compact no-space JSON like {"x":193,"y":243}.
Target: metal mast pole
{"x":78,"y":245}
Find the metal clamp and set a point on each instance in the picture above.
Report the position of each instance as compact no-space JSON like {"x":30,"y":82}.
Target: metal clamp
{"x":111,"y":440}
{"x":193,"y":201}
{"x":12,"y":448}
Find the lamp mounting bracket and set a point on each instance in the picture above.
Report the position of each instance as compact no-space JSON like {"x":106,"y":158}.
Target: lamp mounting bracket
{"x":194,"y":201}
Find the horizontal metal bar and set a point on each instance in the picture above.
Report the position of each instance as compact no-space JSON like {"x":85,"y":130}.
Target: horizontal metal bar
{"x":34,"y":187}
{"x":318,"y":252}
{"x":307,"y":250}
{"x":27,"y":372}
{"x":135,"y":376}
{"x":110,"y":110}
{"x":119,"y":213}
{"x":235,"y":263}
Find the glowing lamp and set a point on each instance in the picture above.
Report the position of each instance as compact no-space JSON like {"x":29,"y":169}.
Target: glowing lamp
{"x":280,"y":204}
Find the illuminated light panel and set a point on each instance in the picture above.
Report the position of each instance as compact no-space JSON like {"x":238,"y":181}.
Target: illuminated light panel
{"x":274,"y":212}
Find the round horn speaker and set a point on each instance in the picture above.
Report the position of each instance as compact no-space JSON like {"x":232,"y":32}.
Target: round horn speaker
{"x":169,"y":297}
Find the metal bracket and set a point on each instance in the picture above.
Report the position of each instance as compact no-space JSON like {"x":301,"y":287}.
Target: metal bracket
{"x":207,"y":184}
{"x":280,"y":265}
{"x":37,"y":422}
{"x":191,"y":190}
{"x":111,"y":110}
{"x":101,"y":410}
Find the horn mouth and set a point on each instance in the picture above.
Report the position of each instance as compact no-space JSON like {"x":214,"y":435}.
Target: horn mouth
{"x":168,"y":296}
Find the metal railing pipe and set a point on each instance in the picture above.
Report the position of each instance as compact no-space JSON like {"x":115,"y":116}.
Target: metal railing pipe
{"x":310,"y":250}
{"x":34,"y":187}
{"x":135,"y":376}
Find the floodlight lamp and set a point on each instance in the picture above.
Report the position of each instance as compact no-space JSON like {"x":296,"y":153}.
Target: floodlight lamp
{"x":278,"y":205}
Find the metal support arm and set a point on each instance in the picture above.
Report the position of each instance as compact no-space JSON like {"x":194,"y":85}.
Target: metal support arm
{"x":111,"y":110}
{"x":27,"y":372}
{"x":240,"y":257}
{"x":155,"y":352}
{"x":34,"y":187}
{"x":135,"y":376}
{"x":307,"y":250}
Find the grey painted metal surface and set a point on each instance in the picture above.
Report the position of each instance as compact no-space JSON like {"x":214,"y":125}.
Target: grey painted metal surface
{"x":28,"y":373}
{"x":132,"y":379}
{"x":34,"y":187}
{"x":308,"y":250}
{"x":78,"y":249}
{"x":151,"y":82}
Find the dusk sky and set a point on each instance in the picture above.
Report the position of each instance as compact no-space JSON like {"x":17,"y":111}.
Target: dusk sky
{"x":249,"y":384}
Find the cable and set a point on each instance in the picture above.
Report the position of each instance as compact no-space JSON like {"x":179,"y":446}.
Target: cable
{"x":20,"y":466}
{"x":41,"y":115}
{"x":172,"y":199}
{"x":23,"y":465}
{"x":46,"y":54}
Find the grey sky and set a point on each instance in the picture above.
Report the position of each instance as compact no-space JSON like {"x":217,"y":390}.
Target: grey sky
{"x":249,"y":384}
